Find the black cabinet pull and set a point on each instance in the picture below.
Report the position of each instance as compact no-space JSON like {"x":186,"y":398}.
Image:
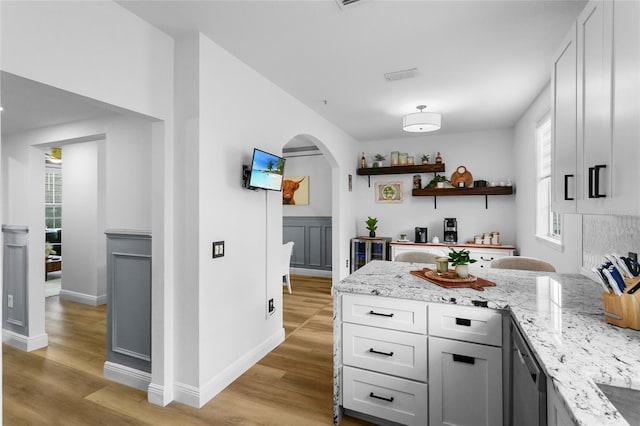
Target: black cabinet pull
{"x":380,"y":315}
{"x":594,"y":181}
{"x":464,"y":358}
{"x":373,"y":351}
{"x":489,"y":259}
{"x":463,"y":321}
{"x":566,"y":187}
{"x":373,"y":395}
{"x":596,"y":172}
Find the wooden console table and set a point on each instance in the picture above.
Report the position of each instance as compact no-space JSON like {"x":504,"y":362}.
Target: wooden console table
{"x":52,"y":264}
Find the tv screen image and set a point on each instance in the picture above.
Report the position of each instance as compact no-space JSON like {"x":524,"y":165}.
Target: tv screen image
{"x":267,"y":171}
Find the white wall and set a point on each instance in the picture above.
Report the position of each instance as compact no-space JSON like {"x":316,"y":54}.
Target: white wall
{"x":222,"y":315}
{"x":75,"y":46}
{"x":486,"y":155}
{"x":101,"y":51}
{"x":568,"y":258}
{"x":80,"y":222}
{"x":317,"y":169}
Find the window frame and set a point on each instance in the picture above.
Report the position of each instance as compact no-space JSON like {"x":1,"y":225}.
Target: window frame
{"x":546,"y":235}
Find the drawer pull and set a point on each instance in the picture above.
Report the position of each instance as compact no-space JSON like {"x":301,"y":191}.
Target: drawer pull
{"x":373,"y":395}
{"x":373,"y":351}
{"x":380,"y":315}
{"x":486,"y":260}
{"x":463,"y":321}
{"x":464,"y":358}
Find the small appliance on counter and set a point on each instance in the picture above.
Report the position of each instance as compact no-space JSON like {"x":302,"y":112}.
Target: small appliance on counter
{"x":450,"y":230}
{"x":421,"y":235}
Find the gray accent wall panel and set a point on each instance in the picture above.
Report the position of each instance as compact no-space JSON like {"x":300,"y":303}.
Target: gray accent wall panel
{"x":312,"y":238}
{"x":15,"y":278}
{"x":129,"y":299}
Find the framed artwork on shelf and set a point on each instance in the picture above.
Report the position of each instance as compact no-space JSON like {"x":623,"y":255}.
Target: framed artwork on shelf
{"x":388,"y":192}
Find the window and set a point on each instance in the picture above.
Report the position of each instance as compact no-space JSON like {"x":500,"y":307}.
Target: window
{"x":53,"y":198}
{"x":547,"y":221}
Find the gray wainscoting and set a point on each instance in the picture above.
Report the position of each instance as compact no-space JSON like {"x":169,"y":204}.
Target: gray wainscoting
{"x":15,"y":278}
{"x":312,"y":238}
{"x":129,"y":299}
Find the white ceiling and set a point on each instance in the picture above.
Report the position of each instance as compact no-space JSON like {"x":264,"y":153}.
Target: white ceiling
{"x":480,"y":63}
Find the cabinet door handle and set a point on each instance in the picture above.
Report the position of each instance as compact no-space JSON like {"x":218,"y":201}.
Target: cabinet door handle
{"x":373,"y":351}
{"x":463,"y":358}
{"x":566,"y":187}
{"x":463,"y":321}
{"x":482,"y":258}
{"x":373,"y":395}
{"x":594,"y":181}
{"x":596,"y":172}
{"x":380,"y":314}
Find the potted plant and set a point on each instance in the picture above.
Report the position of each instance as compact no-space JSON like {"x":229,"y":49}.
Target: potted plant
{"x":379,"y":158}
{"x":372,"y":225}
{"x":425,"y":158}
{"x":437,"y":181}
{"x":461,"y":260}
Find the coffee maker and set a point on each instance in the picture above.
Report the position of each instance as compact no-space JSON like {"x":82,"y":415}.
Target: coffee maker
{"x":450,"y":230}
{"x":421,"y":235}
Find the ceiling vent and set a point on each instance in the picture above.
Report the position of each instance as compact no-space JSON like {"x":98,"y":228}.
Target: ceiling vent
{"x":400,"y":75}
{"x":344,"y":3}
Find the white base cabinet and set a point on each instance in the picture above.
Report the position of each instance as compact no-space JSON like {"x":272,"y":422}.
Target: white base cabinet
{"x":557,"y":415}
{"x":465,"y":381}
{"x":483,"y":255}
{"x":419,"y":363}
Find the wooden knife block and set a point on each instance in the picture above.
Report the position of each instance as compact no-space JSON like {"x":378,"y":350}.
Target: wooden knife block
{"x":623,"y":311}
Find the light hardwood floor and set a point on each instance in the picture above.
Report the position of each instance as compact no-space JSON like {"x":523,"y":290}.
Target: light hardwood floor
{"x":63,"y":384}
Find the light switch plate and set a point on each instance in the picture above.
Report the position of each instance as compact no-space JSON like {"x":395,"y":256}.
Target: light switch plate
{"x":218,"y":249}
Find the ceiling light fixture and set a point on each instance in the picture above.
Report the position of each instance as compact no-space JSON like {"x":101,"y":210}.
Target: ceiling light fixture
{"x":421,"y":121}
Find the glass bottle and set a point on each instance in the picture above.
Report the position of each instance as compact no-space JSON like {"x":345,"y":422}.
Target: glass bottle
{"x":438,"y":158}
{"x":363,"y":161}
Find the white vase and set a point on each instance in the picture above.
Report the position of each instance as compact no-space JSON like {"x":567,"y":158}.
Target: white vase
{"x":462,"y":271}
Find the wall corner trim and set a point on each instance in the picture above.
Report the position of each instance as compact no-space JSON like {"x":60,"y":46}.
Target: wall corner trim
{"x":159,"y":395}
{"x":197,"y":397}
{"x":127,"y":376}
{"x":25,"y":343}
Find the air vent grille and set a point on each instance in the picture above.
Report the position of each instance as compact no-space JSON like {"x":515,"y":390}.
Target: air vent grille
{"x":343,"y":3}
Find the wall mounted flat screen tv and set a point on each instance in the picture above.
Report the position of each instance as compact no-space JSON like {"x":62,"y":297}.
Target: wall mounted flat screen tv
{"x":267,"y":171}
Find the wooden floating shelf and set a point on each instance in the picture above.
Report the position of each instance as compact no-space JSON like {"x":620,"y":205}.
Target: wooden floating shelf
{"x":444,"y":192}
{"x":396,"y":170}
{"x":452,"y":192}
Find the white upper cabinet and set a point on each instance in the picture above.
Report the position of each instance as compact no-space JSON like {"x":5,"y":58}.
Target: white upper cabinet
{"x":625,"y":167}
{"x":595,"y":32}
{"x":598,"y":173}
{"x":564,"y":119}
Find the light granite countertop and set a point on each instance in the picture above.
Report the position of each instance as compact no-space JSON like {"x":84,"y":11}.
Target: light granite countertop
{"x":561,"y":315}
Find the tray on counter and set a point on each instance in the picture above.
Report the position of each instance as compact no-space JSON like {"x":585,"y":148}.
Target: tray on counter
{"x":447,"y":281}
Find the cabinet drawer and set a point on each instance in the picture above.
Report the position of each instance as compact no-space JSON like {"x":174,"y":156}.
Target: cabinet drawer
{"x":395,"y":314}
{"x":390,"y":398}
{"x":478,"y":325}
{"x":387,"y":351}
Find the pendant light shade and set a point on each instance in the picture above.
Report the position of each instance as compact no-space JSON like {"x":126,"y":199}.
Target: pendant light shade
{"x":421,"y":121}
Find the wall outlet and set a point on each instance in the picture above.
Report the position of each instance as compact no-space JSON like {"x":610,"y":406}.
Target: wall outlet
{"x":271,"y":306}
{"x":218,"y":249}
{"x":10,"y":301}
{"x":347,"y":263}
{"x":633,"y":256}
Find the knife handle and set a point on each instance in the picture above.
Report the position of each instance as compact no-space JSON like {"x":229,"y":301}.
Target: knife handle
{"x":634,"y":289}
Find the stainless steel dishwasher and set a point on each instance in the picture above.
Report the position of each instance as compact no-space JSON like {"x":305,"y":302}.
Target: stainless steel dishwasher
{"x":528,"y":384}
